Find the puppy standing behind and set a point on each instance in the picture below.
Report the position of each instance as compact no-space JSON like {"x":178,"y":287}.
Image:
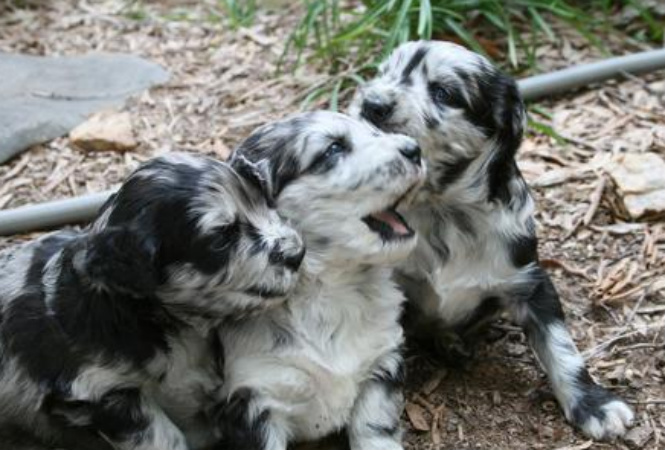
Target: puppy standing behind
{"x":109,"y":329}
{"x":478,"y":249}
{"x":329,"y":358}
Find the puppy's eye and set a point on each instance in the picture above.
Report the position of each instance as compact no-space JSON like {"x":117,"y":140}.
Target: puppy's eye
{"x":440,"y":94}
{"x":334,"y":149}
{"x":330,"y":156}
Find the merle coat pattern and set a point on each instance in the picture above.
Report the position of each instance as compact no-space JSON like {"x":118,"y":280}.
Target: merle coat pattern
{"x":477,"y":254}
{"x":329,"y":358}
{"x":111,"y":329}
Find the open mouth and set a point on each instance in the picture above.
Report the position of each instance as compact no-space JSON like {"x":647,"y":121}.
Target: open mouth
{"x":389,"y":224}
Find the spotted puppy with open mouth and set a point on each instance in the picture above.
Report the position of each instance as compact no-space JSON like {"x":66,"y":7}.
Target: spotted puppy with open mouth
{"x":328,"y":359}
{"x":112,"y":329}
{"x":477,"y":253}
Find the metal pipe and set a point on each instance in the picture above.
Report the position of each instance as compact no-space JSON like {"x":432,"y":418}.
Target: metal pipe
{"x":84,"y":208}
{"x":579,"y":76}
{"x":51,"y":214}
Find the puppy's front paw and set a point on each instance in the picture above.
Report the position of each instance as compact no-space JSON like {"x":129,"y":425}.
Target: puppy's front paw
{"x":601,"y":415}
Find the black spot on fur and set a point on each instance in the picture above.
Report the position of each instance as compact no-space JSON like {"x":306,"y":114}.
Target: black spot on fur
{"x":391,"y":378}
{"x":46,"y":248}
{"x":121,"y":259}
{"x":415,"y":60}
{"x":461,"y":219}
{"x":259,"y":245}
{"x":591,"y":399}
{"x":540,"y":298}
{"x":234,"y":425}
{"x":162,"y":207}
{"x":385,"y":430}
{"x":464,"y":76}
{"x":451,"y":171}
{"x":431,"y":122}
{"x":36,"y":339}
{"x":439,"y":244}
{"x":118,"y":415}
{"x":115,"y":324}
{"x":523,"y":250}
{"x":218,"y":353}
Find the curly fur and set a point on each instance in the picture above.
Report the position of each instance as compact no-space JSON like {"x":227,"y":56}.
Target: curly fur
{"x":329,"y":358}
{"x":111,"y":330}
{"x":477,"y":254}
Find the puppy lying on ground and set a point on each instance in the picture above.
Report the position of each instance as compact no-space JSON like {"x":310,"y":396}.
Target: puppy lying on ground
{"x":110,"y":329}
{"x":329,"y":358}
{"x":477,"y":253}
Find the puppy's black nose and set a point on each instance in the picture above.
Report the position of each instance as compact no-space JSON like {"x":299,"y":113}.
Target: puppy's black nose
{"x":287,"y":259}
{"x":412,"y":153}
{"x":376,"y":111}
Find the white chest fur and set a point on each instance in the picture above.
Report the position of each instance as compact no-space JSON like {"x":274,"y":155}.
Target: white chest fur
{"x":308,"y":359}
{"x":187,"y":383}
{"x":463,"y":265}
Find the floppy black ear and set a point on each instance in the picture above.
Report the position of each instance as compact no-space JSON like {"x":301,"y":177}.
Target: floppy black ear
{"x":505,"y":125}
{"x":256,"y":173}
{"x":122,"y":259}
{"x":509,"y":112}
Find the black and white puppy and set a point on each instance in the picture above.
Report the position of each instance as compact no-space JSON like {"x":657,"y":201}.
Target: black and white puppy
{"x":109,"y":329}
{"x":329,"y":358}
{"x":477,"y":252}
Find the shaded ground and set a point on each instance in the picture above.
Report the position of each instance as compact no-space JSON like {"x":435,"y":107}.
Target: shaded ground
{"x":611,"y":276}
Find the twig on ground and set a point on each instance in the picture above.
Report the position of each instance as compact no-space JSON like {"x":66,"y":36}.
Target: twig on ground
{"x":595,"y":199}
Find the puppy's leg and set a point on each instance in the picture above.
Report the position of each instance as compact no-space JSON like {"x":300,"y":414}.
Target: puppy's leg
{"x":375,"y":418}
{"x":131,"y":421}
{"x":423,"y":325}
{"x":244,"y":424}
{"x":596,"y":411}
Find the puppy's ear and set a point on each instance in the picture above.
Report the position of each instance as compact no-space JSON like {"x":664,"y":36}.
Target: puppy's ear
{"x":509,"y":116}
{"x":258,"y":174}
{"x":509,"y":111}
{"x":120,"y":259}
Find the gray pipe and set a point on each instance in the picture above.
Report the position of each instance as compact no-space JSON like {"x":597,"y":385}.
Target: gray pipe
{"x":579,"y":76}
{"x":84,"y":208}
{"x":51,"y":214}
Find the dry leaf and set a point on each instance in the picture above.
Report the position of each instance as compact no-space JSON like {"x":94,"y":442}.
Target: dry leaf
{"x":416,"y":415}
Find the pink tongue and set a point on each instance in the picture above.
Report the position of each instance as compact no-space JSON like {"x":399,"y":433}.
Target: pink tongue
{"x":391,"y":219}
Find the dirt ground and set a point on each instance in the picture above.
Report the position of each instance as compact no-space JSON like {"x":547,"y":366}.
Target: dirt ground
{"x":610,"y":274}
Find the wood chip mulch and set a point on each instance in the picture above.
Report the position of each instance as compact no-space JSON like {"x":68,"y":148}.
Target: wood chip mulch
{"x":610,"y":273}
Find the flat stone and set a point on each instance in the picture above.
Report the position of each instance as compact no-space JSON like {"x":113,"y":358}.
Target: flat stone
{"x":638,"y":437}
{"x":105,"y":131}
{"x":42,"y":98}
{"x":638,"y":186}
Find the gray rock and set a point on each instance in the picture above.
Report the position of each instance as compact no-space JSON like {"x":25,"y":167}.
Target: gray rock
{"x":638,"y":437}
{"x":42,"y":98}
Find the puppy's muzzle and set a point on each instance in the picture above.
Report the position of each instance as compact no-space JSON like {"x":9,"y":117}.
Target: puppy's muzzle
{"x":288,"y":253}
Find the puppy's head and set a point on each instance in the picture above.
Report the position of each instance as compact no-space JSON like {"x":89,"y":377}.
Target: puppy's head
{"x":339,"y":181}
{"x":215,"y":244}
{"x":462,"y":110}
